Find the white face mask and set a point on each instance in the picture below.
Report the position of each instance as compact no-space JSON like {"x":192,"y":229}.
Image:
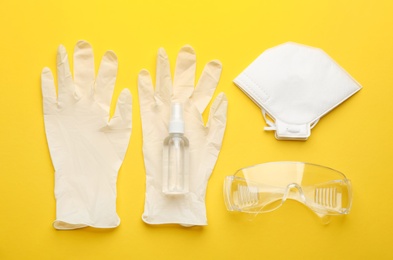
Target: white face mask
{"x":295,"y":85}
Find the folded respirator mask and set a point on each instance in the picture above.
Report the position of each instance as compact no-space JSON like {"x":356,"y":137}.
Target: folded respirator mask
{"x":295,"y":85}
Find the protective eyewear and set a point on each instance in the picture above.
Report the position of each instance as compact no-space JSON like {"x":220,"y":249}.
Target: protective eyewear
{"x":265,"y":187}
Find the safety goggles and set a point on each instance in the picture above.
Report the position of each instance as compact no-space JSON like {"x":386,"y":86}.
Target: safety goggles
{"x":265,"y":187}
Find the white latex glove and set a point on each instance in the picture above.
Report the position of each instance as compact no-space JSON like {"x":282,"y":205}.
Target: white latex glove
{"x":205,"y":141}
{"x":87,"y":149}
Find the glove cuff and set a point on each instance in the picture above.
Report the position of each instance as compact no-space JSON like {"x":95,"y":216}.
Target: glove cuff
{"x":85,"y":202}
{"x":185,"y":210}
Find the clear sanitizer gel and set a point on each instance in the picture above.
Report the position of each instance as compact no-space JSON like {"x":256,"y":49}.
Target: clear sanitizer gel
{"x":176,"y":155}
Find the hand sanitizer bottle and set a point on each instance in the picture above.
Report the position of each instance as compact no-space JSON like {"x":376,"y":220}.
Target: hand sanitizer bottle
{"x":176,"y":155}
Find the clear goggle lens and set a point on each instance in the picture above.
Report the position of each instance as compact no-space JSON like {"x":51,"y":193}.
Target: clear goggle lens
{"x":265,"y":187}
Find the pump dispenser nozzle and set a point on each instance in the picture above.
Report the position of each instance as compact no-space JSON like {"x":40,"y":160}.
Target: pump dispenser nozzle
{"x":176,"y":122}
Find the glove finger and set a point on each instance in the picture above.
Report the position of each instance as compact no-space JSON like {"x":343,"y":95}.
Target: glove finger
{"x":122,"y":117}
{"x":106,"y":79}
{"x":66,"y":85}
{"x":218,"y":113}
{"x":184,"y":79}
{"x":48,"y":90}
{"x":145,"y":91}
{"x":216,"y":127}
{"x":207,"y":84}
{"x":163,"y":74}
{"x":83,"y":68}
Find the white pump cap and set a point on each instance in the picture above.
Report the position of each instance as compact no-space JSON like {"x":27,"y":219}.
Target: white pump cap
{"x":176,"y":122}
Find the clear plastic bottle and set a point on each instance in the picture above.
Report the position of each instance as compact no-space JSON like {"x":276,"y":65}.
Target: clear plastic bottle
{"x":176,"y":155}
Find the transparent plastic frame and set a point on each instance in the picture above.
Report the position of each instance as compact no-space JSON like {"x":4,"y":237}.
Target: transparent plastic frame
{"x":265,"y":187}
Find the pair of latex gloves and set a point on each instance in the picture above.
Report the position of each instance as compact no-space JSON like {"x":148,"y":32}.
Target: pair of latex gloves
{"x":87,"y":147}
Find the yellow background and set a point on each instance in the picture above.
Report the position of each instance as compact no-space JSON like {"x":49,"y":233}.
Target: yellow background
{"x":355,"y":138}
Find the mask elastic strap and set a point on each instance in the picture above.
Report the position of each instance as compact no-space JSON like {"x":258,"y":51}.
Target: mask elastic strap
{"x":271,"y":126}
{"x":314,"y":123}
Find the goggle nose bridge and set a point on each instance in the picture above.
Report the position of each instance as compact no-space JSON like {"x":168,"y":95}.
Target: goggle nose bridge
{"x":294,"y":191}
